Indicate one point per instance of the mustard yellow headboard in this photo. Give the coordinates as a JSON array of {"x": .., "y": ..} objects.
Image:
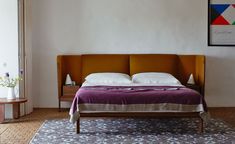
[
  {"x": 104, "y": 63},
  {"x": 154, "y": 63},
  {"x": 181, "y": 66}
]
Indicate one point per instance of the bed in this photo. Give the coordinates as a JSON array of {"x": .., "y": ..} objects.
[{"x": 98, "y": 99}]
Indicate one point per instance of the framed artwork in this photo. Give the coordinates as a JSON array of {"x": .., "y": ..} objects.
[{"x": 221, "y": 22}]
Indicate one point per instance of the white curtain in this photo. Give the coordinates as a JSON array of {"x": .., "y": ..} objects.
[{"x": 25, "y": 35}]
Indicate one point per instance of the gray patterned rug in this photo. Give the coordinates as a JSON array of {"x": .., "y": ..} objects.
[{"x": 111, "y": 131}]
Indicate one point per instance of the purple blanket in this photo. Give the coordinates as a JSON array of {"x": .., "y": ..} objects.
[{"x": 136, "y": 95}]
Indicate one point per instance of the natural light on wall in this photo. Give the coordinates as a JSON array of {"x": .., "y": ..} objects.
[{"x": 8, "y": 43}]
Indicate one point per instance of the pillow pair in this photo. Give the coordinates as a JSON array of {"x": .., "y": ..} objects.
[{"x": 140, "y": 78}]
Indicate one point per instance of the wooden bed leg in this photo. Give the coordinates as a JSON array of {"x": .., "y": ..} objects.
[
  {"x": 78, "y": 126},
  {"x": 59, "y": 106},
  {"x": 201, "y": 125}
]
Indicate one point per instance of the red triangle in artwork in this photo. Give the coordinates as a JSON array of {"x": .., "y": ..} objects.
[
  {"x": 220, "y": 21},
  {"x": 233, "y": 5}
]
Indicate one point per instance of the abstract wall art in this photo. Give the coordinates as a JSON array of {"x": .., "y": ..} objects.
[{"x": 221, "y": 22}]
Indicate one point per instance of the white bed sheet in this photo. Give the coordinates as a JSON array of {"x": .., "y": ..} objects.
[{"x": 86, "y": 83}]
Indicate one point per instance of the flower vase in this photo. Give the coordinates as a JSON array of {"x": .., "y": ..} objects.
[{"x": 11, "y": 93}]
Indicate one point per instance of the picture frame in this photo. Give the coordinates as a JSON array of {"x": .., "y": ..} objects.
[{"x": 221, "y": 23}]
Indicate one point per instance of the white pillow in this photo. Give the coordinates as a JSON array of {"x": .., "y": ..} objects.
[
  {"x": 154, "y": 78},
  {"x": 108, "y": 78}
]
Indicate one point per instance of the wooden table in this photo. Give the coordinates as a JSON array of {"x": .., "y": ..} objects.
[{"x": 16, "y": 107}]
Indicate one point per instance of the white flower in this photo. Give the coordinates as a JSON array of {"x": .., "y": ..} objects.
[{"x": 6, "y": 81}]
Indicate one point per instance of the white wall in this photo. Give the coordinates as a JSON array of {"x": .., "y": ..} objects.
[
  {"x": 125, "y": 26},
  {"x": 8, "y": 43}
]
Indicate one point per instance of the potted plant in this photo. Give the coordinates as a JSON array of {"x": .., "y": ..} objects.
[{"x": 10, "y": 83}]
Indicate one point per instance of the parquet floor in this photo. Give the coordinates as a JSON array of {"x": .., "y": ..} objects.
[{"x": 21, "y": 131}]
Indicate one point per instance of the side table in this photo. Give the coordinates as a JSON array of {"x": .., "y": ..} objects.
[
  {"x": 68, "y": 94},
  {"x": 16, "y": 107}
]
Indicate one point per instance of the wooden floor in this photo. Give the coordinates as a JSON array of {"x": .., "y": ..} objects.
[{"x": 21, "y": 131}]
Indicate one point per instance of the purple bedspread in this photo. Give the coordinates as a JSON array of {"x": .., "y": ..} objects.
[{"x": 126, "y": 95}]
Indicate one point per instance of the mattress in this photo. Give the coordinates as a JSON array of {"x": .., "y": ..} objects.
[{"x": 95, "y": 98}]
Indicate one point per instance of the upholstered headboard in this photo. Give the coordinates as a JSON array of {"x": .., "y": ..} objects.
[
  {"x": 154, "y": 63},
  {"x": 181, "y": 66},
  {"x": 104, "y": 63}
]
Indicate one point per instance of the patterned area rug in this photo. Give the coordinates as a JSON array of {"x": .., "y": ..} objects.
[{"x": 128, "y": 131}]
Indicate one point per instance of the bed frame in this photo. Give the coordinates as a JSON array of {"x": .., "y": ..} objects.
[{"x": 180, "y": 66}]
